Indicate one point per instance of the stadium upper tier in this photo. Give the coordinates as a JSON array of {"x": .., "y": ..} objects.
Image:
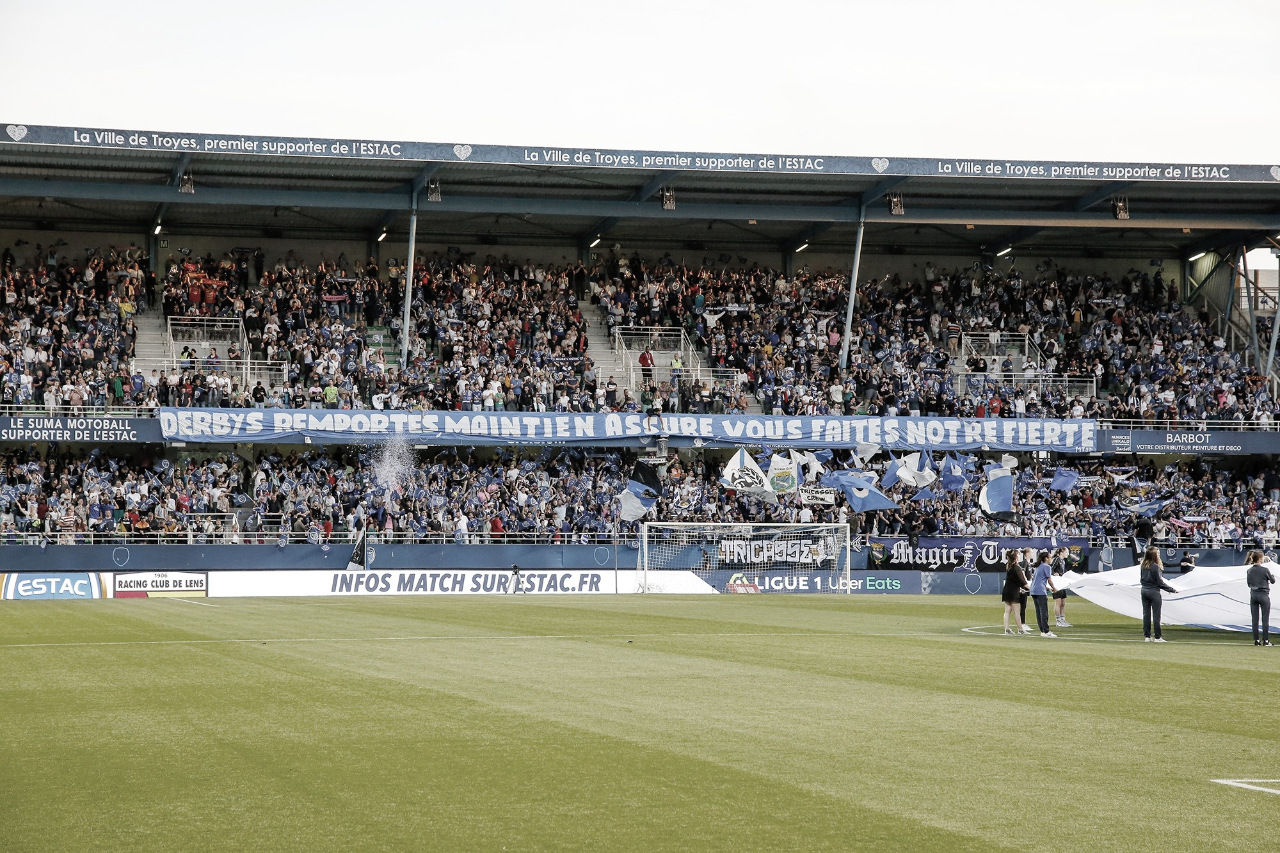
[{"x": 501, "y": 335}]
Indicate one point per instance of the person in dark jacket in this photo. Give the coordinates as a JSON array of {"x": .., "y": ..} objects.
[
  {"x": 1152, "y": 578},
  {"x": 1259, "y": 578}
]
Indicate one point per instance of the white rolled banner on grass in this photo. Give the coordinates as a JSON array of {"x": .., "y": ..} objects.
[{"x": 1207, "y": 596}]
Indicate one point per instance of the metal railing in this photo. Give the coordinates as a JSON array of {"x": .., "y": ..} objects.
[
  {"x": 201, "y": 334},
  {"x": 998, "y": 345}
]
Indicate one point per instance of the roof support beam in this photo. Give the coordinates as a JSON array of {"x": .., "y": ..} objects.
[
  {"x": 543, "y": 206},
  {"x": 414, "y": 187},
  {"x": 877, "y": 192},
  {"x": 645, "y": 193},
  {"x": 181, "y": 166},
  {"x": 1083, "y": 203}
]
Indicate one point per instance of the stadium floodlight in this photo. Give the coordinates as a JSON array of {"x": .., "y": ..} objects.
[
  {"x": 433, "y": 190},
  {"x": 595, "y": 242},
  {"x": 1006, "y": 250},
  {"x": 1120, "y": 207},
  {"x": 157, "y": 229},
  {"x": 896, "y": 207},
  {"x": 801, "y": 248},
  {"x": 1196, "y": 257},
  {"x": 668, "y": 198},
  {"x": 186, "y": 185},
  {"x": 383, "y": 235}
]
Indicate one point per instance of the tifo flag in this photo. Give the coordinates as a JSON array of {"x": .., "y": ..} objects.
[
  {"x": 917, "y": 470},
  {"x": 925, "y": 494},
  {"x": 810, "y": 464},
  {"x": 642, "y": 491},
  {"x": 953, "y": 479},
  {"x": 1146, "y": 508},
  {"x": 890, "y": 478},
  {"x": 783, "y": 474},
  {"x": 858, "y": 490},
  {"x": 1064, "y": 480},
  {"x": 865, "y": 450},
  {"x": 356, "y": 563},
  {"x": 742, "y": 474},
  {"x": 996, "y": 497}
]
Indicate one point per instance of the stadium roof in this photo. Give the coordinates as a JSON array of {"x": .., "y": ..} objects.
[{"x": 84, "y": 179}]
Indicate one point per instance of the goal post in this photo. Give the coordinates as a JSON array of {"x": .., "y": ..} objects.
[{"x": 748, "y": 557}]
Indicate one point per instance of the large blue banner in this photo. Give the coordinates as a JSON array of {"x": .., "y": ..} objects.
[
  {"x": 322, "y": 426},
  {"x": 694, "y": 161}
]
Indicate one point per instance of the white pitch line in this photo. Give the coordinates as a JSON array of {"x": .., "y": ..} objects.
[
  {"x": 443, "y": 637},
  {"x": 191, "y": 601},
  {"x": 1240, "y": 783},
  {"x": 981, "y": 631}
]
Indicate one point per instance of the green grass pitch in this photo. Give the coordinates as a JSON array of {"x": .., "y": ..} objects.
[{"x": 637, "y": 723}]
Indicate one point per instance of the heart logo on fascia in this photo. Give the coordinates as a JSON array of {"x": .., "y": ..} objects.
[
  {"x": 16, "y": 132},
  {"x": 879, "y": 164},
  {"x": 1275, "y": 172},
  {"x": 463, "y": 151}
]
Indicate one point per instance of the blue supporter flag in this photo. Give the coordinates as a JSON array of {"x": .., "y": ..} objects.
[
  {"x": 641, "y": 492},
  {"x": 1064, "y": 480},
  {"x": 953, "y": 478},
  {"x": 890, "y": 478},
  {"x": 858, "y": 490},
  {"x": 1146, "y": 508},
  {"x": 925, "y": 494},
  {"x": 996, "y": 498}
]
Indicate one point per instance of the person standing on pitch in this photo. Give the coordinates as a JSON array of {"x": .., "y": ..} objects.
[
  {"x": 1025, "y": 556},
  {"x": 1041, "y": 586},
  {"x": 515, "y": 579},
  {"x": 1059, "y": 566},
  {"x": 1151, "y": 575},
  {"x": 1015, "y": 586},
  {"x": 1259, "y": 579}
]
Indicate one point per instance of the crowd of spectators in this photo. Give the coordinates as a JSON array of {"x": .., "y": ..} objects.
[
  {"x": 503, "y": 335},
  {"x": 1150, "y": 358},
  {"x": 570, "y": 495},
  {"x": 67, "y": 332}
]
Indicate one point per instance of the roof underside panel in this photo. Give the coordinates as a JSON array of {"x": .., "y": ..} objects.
[{"x": 59, "y": 188}]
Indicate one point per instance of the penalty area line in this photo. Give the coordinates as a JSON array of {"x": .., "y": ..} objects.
[
  {"x": 191, "y": 601},
  {"x": 1243, "y": 783}
]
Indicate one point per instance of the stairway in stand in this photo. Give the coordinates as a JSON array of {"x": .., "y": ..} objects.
[
  {"x": 151, "y": 348},
  {"x": 600, "y": 351}
]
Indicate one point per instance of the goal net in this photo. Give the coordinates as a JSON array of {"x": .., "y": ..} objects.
[{"x": 738, "y": 558}]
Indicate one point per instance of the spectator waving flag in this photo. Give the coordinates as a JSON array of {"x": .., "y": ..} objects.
[
  {"x": 916, "y": 469},
  {"x": 859, "y": 490},
  {"x": 1064, "y": 480},
  {"x": 641, "y": 493},
  {"x": 1145, "y": 508},
  {"x": 891, "y": 473},
  {"x": 783, "y": 474},
  {"x": 953, "y": 479},
  {"x": 356, "y": 563},
  {"x": 996, "y": 497},
  {"x": 742, "y": 474}
]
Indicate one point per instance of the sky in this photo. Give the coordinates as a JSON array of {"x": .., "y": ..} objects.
[
  {"x": 1118, "y": 80},
  {"x": 1172, "y": 81}
]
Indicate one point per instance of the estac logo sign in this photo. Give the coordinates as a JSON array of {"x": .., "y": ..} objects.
[{"x": 52, "y": 585}]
